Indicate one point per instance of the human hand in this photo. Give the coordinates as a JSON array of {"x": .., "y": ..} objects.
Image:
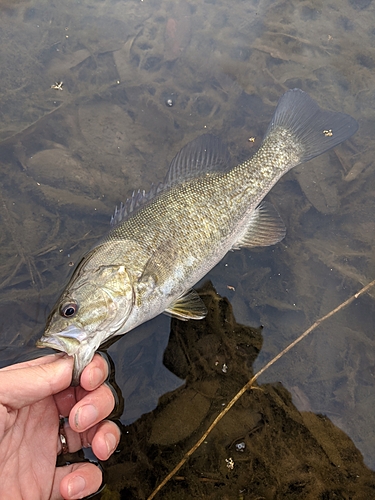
[{"x": 33, "y": 396}]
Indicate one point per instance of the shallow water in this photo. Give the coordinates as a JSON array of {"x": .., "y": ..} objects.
[{"x": 69, "y": 156}]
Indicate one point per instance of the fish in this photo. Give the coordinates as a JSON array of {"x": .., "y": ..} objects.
[{"x": 162, "y": 242}]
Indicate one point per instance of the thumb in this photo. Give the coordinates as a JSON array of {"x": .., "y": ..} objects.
[{"x": 31, "y": 382}]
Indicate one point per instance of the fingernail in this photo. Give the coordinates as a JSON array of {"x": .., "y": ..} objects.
[
  {"x": 76, "y": 485},
  {"x": 111, "y": 443},
  {"x": 96, "y": 377},
  {"x": 86, "y": 416}
]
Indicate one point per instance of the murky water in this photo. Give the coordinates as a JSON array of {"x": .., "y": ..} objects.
[{"x": 96, "y": 97}]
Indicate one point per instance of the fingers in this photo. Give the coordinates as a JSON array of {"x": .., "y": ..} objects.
[
  {"x": 23, "y": 385},
  {"x": 95, "y": 403},
  {"x": 94, "y": 374},
  {"x": 92, "y": 377},
  {"x": 65, "y": 400},
  {"x": 73, "y": 440},
  {"x": 104, "y": 439},
  {"x": 91, "y": 409},
  {"x": 76, "y": 481}
]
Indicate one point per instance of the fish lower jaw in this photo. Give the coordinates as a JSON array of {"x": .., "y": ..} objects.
[{"x": 69, "y": 346}]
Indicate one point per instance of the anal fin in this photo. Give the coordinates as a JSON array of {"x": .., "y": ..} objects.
[{"x": 265, "y": 228}]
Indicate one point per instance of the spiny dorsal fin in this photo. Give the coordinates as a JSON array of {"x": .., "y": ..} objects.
[
  {"x": 265, "y": 228},
  {"x": 188, "y": 306},
  {"x": 136, "y": 201},
  {"x": 204, "y": 154}
]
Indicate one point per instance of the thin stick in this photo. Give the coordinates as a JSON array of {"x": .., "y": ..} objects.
[{"x": 250, "y": 383}]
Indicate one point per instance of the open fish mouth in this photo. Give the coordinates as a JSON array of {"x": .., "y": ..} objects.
[
  {"x": 68, "y": 340},
  {"x": 72, "y": 341}
]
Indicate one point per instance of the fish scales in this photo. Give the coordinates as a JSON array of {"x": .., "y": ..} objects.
[
  {"x": 165, "y": 241},
  {"x": 207, "y": 211}
]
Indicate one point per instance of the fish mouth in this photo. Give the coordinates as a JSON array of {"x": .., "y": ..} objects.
[
  {"x": 72, "y": 341},
  {"x": 68, "y": 340}
]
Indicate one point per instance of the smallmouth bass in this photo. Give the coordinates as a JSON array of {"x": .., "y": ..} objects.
[{"x": 163, "y": 242}]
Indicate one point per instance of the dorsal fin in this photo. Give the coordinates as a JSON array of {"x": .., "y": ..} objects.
[
  {"x": 204, "y": 154},
  {"x": 136, "y": 201}
]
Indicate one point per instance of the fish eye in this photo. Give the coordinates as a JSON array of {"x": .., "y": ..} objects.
[{"x": 69, "y": 310}]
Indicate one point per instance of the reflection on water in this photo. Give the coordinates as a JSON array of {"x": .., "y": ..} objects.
[
  {"x": 69, "y": 156},
  {"x": 139, "y": 372},
  {"x": 262, "y": 448}
]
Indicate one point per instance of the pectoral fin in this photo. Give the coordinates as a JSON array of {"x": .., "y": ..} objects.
[
  {"x": 265, "y": 228},
  {"x": 188, "y": 306}
]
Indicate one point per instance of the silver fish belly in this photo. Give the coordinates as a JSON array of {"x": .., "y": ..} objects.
[{"x": 163, "y": 242}]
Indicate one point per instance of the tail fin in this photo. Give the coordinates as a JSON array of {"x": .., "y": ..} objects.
[{"x": 315, "y": 129}]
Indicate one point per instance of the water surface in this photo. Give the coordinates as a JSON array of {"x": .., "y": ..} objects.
[{"x": 96, "y": 99}]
